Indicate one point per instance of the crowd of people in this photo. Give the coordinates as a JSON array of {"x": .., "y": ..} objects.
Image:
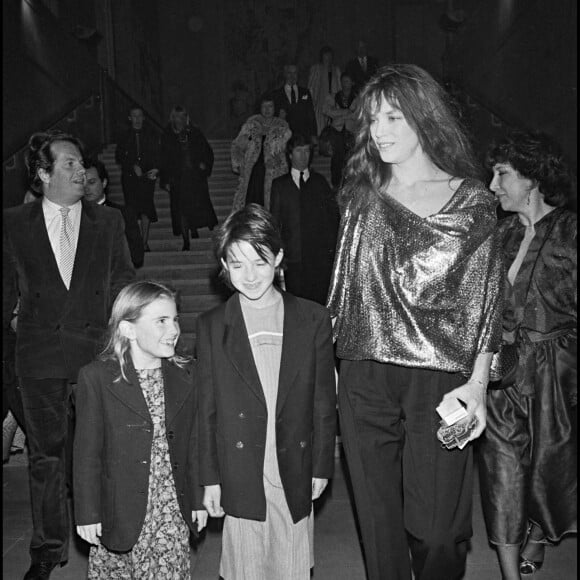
[{"x": 397, "y": 277}]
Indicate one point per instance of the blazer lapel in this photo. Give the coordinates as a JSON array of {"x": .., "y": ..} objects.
[
  {"x": 237, "y": 347},
  {"x": 42, "y": 247},
  {"x": 88, "y": 234},
  {"x": 295, "y": 347},
  {"x": 129, "y": 392},
  {"x": 178, "y": 387}
]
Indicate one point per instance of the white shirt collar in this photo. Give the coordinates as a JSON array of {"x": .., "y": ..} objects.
[
  {"x": 295, "y": 173},
  {"x": 51, "y": 209}
]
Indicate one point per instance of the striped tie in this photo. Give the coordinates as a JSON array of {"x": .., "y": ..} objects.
[{"x": 67, "y": 252}]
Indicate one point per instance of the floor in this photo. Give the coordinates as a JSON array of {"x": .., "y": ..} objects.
[{"x": 337, "y": 550}]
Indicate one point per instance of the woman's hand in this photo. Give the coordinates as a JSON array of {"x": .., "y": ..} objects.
[
  {"x": 472, "y": 393},
  {"x": 199, "y": 516},
  {"x": 90, "y": 533},
  {"x": 212, "y": 501},
  {"x": 318, "y": 486}
]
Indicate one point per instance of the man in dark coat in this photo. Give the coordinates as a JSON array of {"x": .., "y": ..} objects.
[
  {"x": 97, "y": 179},
  {"x": 294, "y": 104},
  {"x": 67, "y": 259},
  {"x": 362, "y": 67},
  {"x": 138, "y": 155},
  {"x": 305, "y": 207}
]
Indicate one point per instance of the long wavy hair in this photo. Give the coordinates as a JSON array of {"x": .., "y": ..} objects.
[
  {"x": 129, "y": 305},
  {"x": 428, "y": 111}
]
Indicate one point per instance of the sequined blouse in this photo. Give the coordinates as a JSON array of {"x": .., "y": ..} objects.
[{"x": 419, "y": 292}]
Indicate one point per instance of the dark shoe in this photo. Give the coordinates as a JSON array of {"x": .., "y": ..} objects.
[
  {"x": 532, "y": 566},
  {"x": 529, "y": 566},
  {"x": 186, "y": 246},
  {"x": 40, "y": 571},
  {"x": 147, "y": 248}
]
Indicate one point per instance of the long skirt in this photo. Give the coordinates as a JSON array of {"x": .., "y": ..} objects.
[
  {"x": 528, "y": 452},
  {"x": 276, "y": 549}
]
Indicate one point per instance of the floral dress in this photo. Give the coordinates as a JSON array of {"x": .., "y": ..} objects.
[{"x": 162, "y": 549}]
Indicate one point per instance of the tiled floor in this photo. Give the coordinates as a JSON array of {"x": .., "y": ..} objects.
[{"x": 337, "y": 550}]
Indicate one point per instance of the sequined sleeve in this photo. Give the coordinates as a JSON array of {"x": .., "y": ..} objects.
[{"x": 419, "y": 292}]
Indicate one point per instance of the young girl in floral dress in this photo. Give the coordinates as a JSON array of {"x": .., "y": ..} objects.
[{"x": 136, "y": 490}]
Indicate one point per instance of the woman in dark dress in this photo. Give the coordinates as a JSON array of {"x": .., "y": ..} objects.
[
  {"x": 528, "y": 451},
  {"x": 187, "y": 162}
]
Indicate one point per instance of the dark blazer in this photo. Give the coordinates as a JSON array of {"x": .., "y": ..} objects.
[
  {"x": 112, "y": 449},
  {"x": 233, "y": 414},
  {"x": 126, "y": 154},
  {"x": 309, "y": 222},
  {"x": 357, "y": 74},
  {"x": 60, "y": 330},
  {"x": 300, "y": 115},
  {"x": 132, "y": 232}
]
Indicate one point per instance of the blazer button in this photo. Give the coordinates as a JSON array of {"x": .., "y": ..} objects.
[
  {"x": 175, "y": 465},
  {"x": 170, "y": 435},
  {"x": 302, "y": 444},
  {"x": 242, "y": 416},
  {"x": 239, "y": 445}
]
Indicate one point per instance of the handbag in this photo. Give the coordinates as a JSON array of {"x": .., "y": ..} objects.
[
  {"x": 502, "y": 372},
  {"x": 326, "y": 141}
]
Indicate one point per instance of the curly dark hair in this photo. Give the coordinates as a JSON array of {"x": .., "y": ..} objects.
[
  {"x": 427, "y": 109},
  {"x": 536, "y": 156}
]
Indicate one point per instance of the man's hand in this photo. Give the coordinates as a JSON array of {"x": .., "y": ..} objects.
[
  {"x": 137, "y": 171},
  {"x": 199, "y": 516},
  {"x": 212, "y": 501},
  {"x": 152, "y": 174},
  {"x": 90, "y": 533},
  {"x": 318, "y": 486}
]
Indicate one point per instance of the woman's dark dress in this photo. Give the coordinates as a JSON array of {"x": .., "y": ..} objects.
[
  {"x": 180, "y": 168},
  {"x": 528, "y": 451}
]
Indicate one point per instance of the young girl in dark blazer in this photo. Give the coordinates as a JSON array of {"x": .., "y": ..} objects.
[
  {"x": 267, "y": 407},
  {"x": 136, "y": 488}
]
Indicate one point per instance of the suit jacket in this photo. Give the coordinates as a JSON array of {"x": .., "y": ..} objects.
[
  {"x": 309, "y": 222},
  {"x": 357, "y": 74},
  {"x": 60, "y": 330},
  {"x": 233, "y": 413},
  {"x": 112, "y": 448},
  {"x": 132, "y": 232},
  {"x": 300, "y": 115},
  {"x": 126, "y": 154}
]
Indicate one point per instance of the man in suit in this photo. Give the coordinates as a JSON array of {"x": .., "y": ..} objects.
[
  {"x": 362, "y": 67},
  {"x": 304, "y": 205},
  {"x": 97, "y": 179},
  {"x": 294, "y": 104},
  {"x": 67, "y": 259},
  {"x": 138, "y": 155}
]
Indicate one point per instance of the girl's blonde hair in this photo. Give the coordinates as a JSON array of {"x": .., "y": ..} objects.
[{"x": 129, "y": 306}]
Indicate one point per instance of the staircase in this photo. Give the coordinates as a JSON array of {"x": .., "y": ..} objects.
[{"x": 192, "y": 273}]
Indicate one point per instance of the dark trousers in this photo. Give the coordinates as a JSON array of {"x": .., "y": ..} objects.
[
  {"x": 46, "y": 412},
  {"x": 410, "y": 493}
]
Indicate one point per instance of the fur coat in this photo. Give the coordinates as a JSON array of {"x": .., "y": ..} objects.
[{"x": 246, "y": 150}]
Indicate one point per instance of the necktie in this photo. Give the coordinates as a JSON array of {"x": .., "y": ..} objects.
[
  {"x": 138, "y": 145},
  {"x": 292, "y": 96},
  {"x": 301, "y": 182},
  {"x": 67, "y": 253}
]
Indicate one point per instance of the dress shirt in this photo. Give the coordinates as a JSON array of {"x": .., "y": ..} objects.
[
  {"x": 288, "y": 89},
  {"x": 296, "y": 176},
  {"x": 53, "y": 221}
]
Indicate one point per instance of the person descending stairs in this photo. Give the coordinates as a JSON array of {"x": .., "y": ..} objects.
[{"x": 193, "y": 273}]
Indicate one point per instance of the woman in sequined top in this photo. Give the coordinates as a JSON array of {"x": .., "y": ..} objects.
[
  {"x": 528, "y": 456},
  {"x": 416, "y": 299}
]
